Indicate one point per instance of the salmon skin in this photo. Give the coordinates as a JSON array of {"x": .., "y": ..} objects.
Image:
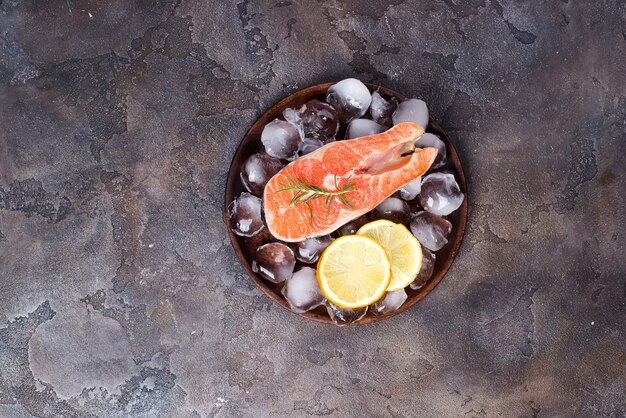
[{"x": 323, "y": 190}]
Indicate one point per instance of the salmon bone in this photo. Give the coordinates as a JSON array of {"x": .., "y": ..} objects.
[{"x": 390, "y": 160}]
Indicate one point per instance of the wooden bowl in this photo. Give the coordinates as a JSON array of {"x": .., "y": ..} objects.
[{"x": 244, "y": 247}]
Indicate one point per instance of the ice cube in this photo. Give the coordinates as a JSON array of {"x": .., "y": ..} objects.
[
  {"x": 431, "y": 231},
  {"x": 393, "y": 209},
  {"x": 431, "y": 140},
  {"x": 428, "y": 265},
  {"x": 281, "y": 139},
  {"x": 245, "y": 215},
  {"x": 309, "y": 250},
  {"x": 350, "y": 97},
  {"x": 381, "y": 109},
  {"x": 411, "y": 110},
  {"x": 440, "y": 194},
  {"x": 302, "y": 290},
  {"x": 351, "y": 227},
  {"x": 363, "y": 127},
  {"x": 314, "y": 120},
  {"x": 342, "y": 316},
  {"x": 391, "y": 302},
  {"x": 411, "y": 190},
  {"x": 274, "y": 262},
  {"x": 257, "y": 170}
]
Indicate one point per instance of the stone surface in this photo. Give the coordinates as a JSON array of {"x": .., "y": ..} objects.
[{"x": 121, "y": 296}]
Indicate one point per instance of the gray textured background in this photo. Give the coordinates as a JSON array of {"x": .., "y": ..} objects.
[{"x": 121, "y": 296}]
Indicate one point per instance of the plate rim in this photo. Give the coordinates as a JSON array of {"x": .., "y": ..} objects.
[{"x": 233, "y": 174}]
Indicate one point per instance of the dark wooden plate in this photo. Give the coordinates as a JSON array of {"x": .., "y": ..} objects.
[{"x": 244, "y": 247}]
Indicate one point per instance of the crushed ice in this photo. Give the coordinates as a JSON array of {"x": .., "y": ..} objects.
[
  {"x": 440, "y": 194},
  {"x": 431, "y": 231},
  {"x": 350, "y": 97},
  {"x": 411, "y": 110},
  {"x": 302, "y": 290},
  {"x": 274, "y": 262},
  {"x": 246, "y": 217}
]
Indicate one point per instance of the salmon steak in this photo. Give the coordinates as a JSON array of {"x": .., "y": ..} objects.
[{"x": 321, "y": 191}]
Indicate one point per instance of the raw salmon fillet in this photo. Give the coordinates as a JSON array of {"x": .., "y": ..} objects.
[{"x": 367, "y": 169}]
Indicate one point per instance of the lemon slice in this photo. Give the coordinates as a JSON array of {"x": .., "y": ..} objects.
[
  {"x": 353, "y": 272},
  {"x": 403, "y": 250}
]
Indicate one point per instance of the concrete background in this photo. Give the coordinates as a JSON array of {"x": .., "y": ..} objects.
[{"x": 121, "y": 296}]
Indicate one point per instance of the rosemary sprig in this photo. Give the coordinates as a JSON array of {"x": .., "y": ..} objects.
[{"x": 305, "y": 192}]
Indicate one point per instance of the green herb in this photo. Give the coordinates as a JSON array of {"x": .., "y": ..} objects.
[{"x": 305, "y": 192}]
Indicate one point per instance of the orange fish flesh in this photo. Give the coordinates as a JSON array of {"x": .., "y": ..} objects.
[{"x": 321, "y": 191}]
